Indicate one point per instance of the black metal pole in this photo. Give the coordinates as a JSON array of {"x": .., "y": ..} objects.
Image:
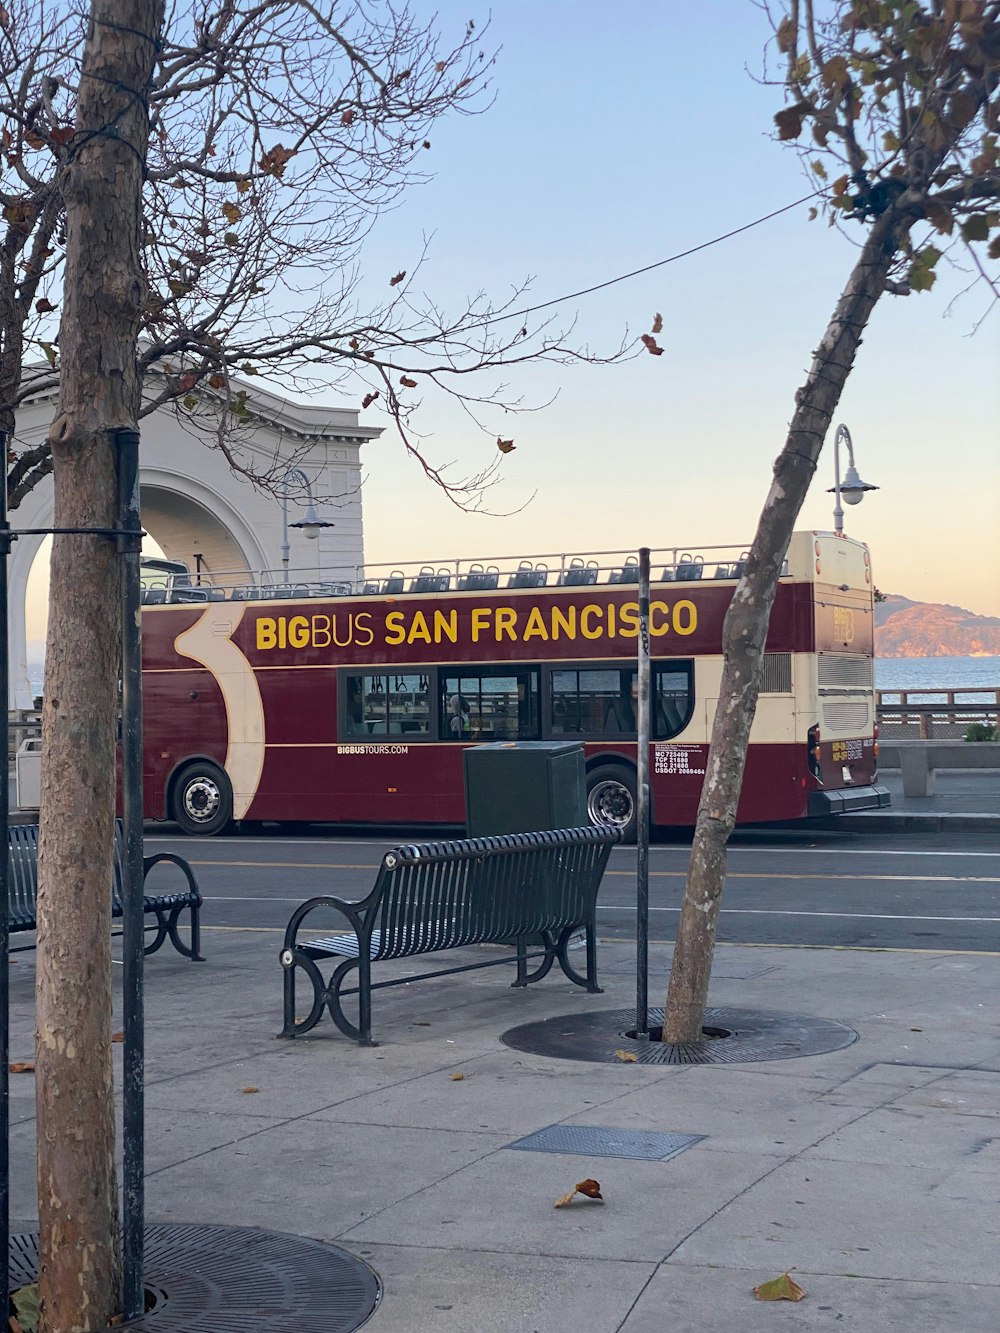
[
  {"x": 4, "y": 898},
  {"x": 133, "y": 1092},
  {"x": 642, "y": 796}
]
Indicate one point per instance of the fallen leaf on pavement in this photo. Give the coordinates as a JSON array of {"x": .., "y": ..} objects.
[
  {"x": 118, "y": 1036},
  {"x": 590, "y": 1189},
  {"x": 22, "y": 1067},
  {"x": 783, "y": 1288},
  {"x": 251, "y": 1089},
  {"x": 457, "y": 1078},
  {"x": 627, "y": 1057}
]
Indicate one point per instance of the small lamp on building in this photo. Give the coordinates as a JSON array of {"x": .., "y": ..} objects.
[
  {"x": 852, "y": 489},
  {"x": 309, "y": 525}
]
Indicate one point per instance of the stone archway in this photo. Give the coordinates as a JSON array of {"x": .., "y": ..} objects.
[{"x": 194, "y": 504}]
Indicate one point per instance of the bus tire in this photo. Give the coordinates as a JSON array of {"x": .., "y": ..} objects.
[
  {"x": 611, "y": 798},
  {"x": 201, "y": 799}
]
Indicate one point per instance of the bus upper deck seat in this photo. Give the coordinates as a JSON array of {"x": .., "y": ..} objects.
[{"x": 579, "y": 574}]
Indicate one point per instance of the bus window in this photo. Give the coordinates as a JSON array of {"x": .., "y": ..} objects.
[
  {"x": 673, "y": 698},
  {"x": 387, "y": 705},
  {"x": 594, "y": 702},
  {"x": 477, "y": 706}
]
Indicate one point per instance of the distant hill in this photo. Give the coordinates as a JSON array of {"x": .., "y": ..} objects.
[{"x": 904, "y": 628}]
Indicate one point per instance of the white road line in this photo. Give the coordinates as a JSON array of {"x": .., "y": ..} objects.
[
  {"x": 847, "y": 916},
  {"x": 654, "y": 850}
]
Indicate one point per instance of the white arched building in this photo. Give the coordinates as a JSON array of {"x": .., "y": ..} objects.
[{"x": 199, "y": 510}]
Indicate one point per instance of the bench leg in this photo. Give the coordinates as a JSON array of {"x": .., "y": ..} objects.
[
  {"x": 589, "y": 982},
  {"x": 362, "y": 1034},
  {"x": 290, "y": 960},
  {"x": 522, "y": 962},
  {"x": 194, "y": 953}
]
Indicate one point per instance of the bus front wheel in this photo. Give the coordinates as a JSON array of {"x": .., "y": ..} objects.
[
  {"x": 202, "y": 800},
  {"x": 611, "y": 798}
]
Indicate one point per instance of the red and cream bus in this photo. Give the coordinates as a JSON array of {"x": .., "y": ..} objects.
[{"x": 353, "y": 702}]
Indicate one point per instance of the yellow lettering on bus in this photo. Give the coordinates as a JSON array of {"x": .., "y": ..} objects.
[
  {"x": 282, "y": 636},
  {"x": 343, "y": 643},
  {"x": 321, "y": 631},
  {"x": 480, "y": 621},
  {"x": 504, "y": 623},
  {"x": 628, "y": 620},
  {"x": 360, "y": 629},
  {"x": 659, "y": 608},
  {"x": 419, "y": 629},
  {"x": 298, "y": 632},
  {"x": 535, "y": 628},
  {"x": 586, "y": 615},
  {"x": 564, "y": 621},
  {"x": 685, "y": 617},
  {"x": 395, "y": 627},
  {"x": 445, "y": 626},
  {"x": 266, "y": 632}
]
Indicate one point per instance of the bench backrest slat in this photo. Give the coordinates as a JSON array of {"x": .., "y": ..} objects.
[
  {"x": 22, "y": 874},
  {"x": 446, "y": 895}
]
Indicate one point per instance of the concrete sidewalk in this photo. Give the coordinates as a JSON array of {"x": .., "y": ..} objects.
[
  {"x": 872, "y": 1170},
  {"x": 965, "y": 798}
]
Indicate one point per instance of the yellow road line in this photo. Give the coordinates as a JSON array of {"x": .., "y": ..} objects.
[
  {"x": 904, "y": 879},
  {"x": 630, "y": 874}
]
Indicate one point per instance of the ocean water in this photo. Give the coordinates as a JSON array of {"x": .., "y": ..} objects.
[{"x": 937, "y": 673}]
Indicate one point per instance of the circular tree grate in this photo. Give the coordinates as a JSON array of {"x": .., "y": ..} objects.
[
  {"x": 755, "y": 1034},
  {"x": 233, "y": 1279}
]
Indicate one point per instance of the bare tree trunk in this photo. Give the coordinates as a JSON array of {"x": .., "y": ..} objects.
[
  {"x": 80, "y": 1275},
  {"x": 745, "y": 628}
]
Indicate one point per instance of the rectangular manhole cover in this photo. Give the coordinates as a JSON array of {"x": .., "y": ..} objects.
[{"x": 596, "y": 1141}]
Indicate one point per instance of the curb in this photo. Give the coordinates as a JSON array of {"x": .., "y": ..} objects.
[{"x": 905, "y": 821}]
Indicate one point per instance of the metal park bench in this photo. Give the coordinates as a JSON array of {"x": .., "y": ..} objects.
[
  {"x": 22, "y": 892},
  {"x": 445, "y": 895}
]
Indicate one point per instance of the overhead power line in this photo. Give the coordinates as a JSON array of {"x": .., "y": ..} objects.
[{"x": 648, "y": 268}]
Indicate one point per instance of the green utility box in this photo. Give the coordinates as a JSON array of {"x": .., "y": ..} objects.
[{"x": 523, "y": 787}]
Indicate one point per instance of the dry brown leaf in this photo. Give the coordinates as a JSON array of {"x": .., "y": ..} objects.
[
  {"x": 118, "y": 1036},
  {"x": 22, "y": 1067},
  {"x": 657, "y": 323},
  {"x": 407, "y": 383},
  {"x": 369, "y": 398},
  {"x": 506, "y": 446},
  {"x": 651, "y": 345},
  {"x": 590, "y": 1189},
  {"x": 394, "y": 282},
  {"x": 251, "y": 1088},
  {"x": 627, "y": 1057},
  {"x": 457, "y": 1078},
  {"x": 783, "y": 1288}
]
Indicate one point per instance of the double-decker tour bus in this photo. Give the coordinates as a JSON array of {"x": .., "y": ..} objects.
[{"x": 353, "y": 702}]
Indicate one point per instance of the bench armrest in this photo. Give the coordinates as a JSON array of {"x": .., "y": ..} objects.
[
  {"x": 149, "y": 861},
  {"x": 353, "y": 910}
]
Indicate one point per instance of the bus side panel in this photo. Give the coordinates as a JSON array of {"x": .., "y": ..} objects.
[
  {"x": 383, "y": 781},
  {"x": 774, "y": 783},
  {"x": 183, "y": 714}
]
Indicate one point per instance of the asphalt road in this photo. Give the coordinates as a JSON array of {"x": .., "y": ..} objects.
[{"x": 862, "y": 890}]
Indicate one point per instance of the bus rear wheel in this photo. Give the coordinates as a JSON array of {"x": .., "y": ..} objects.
[
  {"x": 611, "y": 798},
  {"x": 202, "y": 800}
]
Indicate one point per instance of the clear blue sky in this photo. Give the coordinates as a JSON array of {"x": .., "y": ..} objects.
[{"x": 617, "y": 138}]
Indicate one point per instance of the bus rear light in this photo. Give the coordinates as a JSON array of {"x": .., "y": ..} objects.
[
  {"x": 875, "y": 740},
  {"x": 814, "y": 751}
]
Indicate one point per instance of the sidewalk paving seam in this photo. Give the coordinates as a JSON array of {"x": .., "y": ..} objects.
[
  {"x": 625, "y": 1092},
  {"x": 779, "y": 1165}
]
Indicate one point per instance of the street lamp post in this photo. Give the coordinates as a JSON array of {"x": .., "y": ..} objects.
[
  {"x": 852, "y": 489},
  {"x": 309, "y": 525}
]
